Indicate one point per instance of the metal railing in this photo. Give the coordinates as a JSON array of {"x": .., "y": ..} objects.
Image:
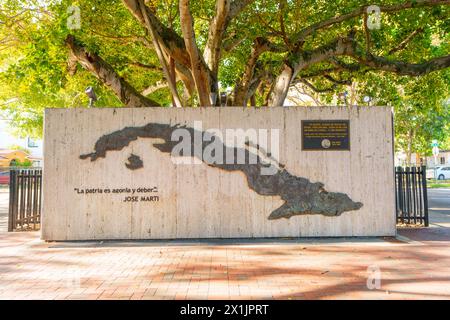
[
  {"x": 411, "y": 195},
  {"x": 25, "y": 199}
]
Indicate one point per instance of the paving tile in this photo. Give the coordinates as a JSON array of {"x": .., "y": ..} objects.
[{"x": 33, "y": 269}]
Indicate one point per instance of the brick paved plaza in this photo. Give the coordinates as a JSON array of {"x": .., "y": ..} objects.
[
  {"x": 415, "y": 265},
  {"x": 32, "y": 269}
]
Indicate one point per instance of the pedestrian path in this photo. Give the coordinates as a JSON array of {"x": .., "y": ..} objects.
[
  {"x": 307, "y": 269},
  {"x": 415, "y": 265}
]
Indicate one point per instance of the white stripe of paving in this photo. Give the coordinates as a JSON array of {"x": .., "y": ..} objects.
[{"x": 408, "y": 240}]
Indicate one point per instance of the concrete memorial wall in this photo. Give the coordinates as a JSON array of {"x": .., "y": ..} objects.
[{"x": 161, "y": 173}]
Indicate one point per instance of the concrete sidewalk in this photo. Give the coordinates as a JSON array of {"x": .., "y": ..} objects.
[{"x": 326, "y": 269}]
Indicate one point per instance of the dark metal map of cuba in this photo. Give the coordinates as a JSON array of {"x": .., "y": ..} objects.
[{"x": 300, "y": 196}]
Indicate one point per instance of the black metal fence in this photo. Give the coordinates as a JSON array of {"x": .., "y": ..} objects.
[
  {"x": 25, "y": 199},
  {"x": 411, "y": 195}
]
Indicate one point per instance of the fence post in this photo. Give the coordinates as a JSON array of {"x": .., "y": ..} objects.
[
  {"x": 420, "y": 192},
  {"x": 400, "y": 211},
  {"x": 11, "y": 200},
  {"x": 414, "y": 192},
  {"x": 425, "y": 195},
  {"x": 396, "y": 194},
  {"x": 35, "y": 195}
]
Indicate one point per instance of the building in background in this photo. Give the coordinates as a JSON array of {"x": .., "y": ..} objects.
[
  {"x": 12, "y": 158},
  {"x": 418, "y": 160},
  {"x": 7, "y": 140},
  {"x": 442, "y": 159}
]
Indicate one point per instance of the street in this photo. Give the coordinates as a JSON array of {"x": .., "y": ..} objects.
[
  {"x": 439, "y": 211},
  {"x": 439, "y": 201}
]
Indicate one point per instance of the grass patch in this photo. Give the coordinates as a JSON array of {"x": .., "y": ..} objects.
[{"x": 438, "y": 184}]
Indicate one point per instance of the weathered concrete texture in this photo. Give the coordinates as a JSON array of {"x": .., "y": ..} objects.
[
  {"x": 134, "y": 162},
  {"x": 320, "y": 192},
  {"x": 300, "y": 195}
]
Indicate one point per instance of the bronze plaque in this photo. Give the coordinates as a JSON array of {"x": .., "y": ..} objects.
[{"x": 325, "y": 135}]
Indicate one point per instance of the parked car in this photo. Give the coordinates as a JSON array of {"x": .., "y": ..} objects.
[
  {"x": 430, "y": 172},
  {"x": 442, "y": 173},
  {"x": 4, "y": 177}
]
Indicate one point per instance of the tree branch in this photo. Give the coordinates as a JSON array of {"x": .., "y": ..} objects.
[
  {"x": 226, "y": 11},
  {"x": 349, "y": 47},
  {"x": 346, "y": 66},
  {"x": 167, "y": 37},
  {"x": 215, "y": 37},
  {"x": 199, "y": 69},
  {"x": 336, "y": 81},
  {"x": 255, "y": 83},
  {"x": 231, "y": 43},
  {"x": 301, "y": 35},
  {"x": 236, "y": 7},
  {"x": 281, "y": 9},
  {"x": 298, "y": 61},
  {"x": 304, "y": 59},
  {"x": 151, "y": 89},
  {"x": 260, "y": 45},
  {"x": 404, "y": 68},
  {"x": 299, "y": 101},
  {"x": 169, "y": 75},
  {"x": 151, "y": 67},
  {"x": 321, "y": 72},
  {"x": 106, "y": 74},
  {"x": 405, "y": 42},
  {"x": 367, "y": 33},
  {"x": 314, "y": 88}
]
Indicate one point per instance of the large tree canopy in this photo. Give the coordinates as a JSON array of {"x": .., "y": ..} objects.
[{"x": 140, "y": 53}]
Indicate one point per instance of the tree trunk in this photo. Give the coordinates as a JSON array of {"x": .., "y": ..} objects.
[
  {"x": 281, "y": 87},
  {"x": 173, "y": 79},
  {"x": 241, "y": 91},
  {"x": 252, "y": 101},
  {"x": 167, "y": 37},
  {"x": 106, "y": 74},
  {"x": 168, "y": 73},
  {"x": 216, "y": 30},
  {"x": 199, "y": 70}
]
